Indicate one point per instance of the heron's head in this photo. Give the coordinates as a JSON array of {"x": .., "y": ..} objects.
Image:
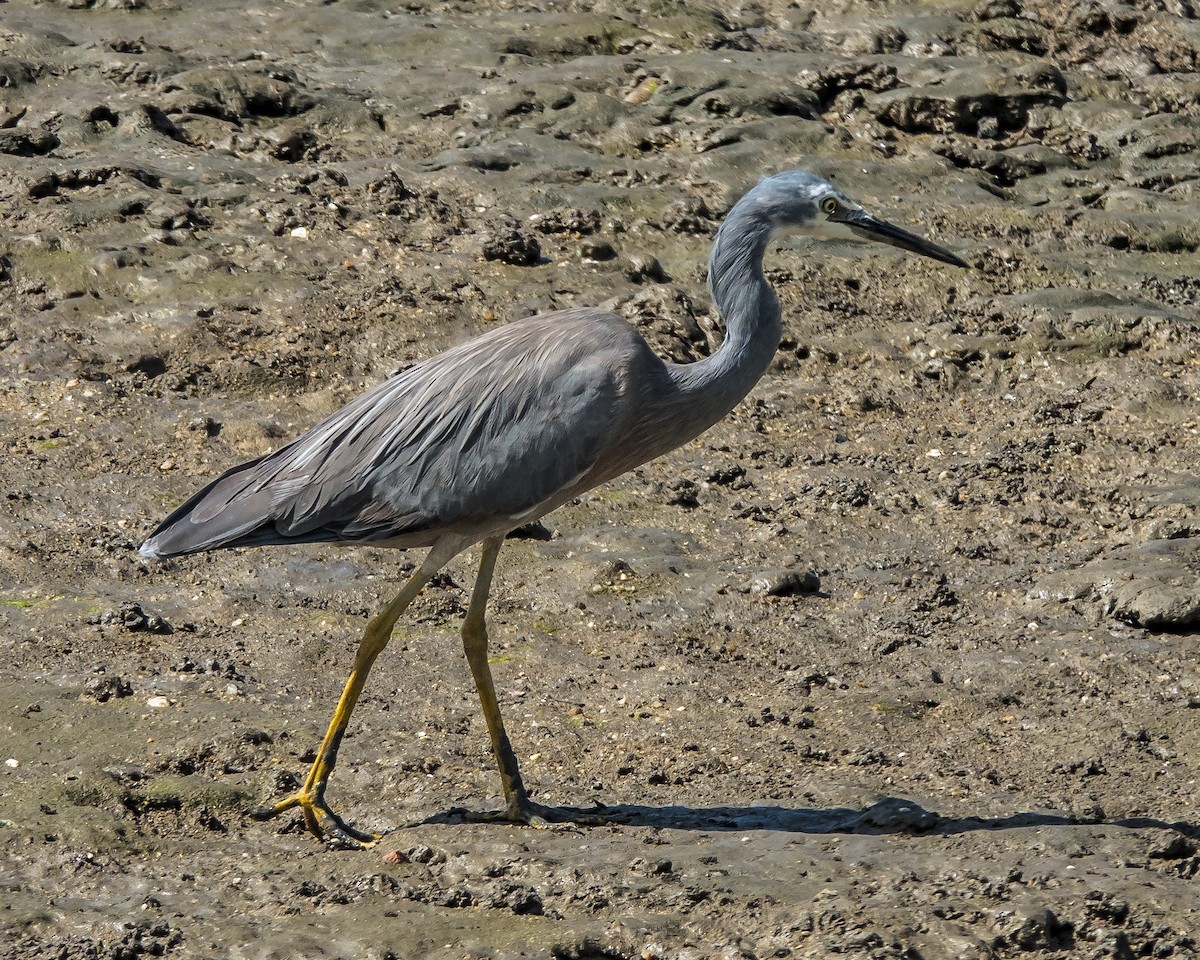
[{"x": 801, "y": 200}]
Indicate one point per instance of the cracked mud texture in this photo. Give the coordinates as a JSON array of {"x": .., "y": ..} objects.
[{"x": 897, "y": 661}]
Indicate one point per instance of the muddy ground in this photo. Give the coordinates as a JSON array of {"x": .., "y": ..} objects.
[{"x": 897, "y": 661}]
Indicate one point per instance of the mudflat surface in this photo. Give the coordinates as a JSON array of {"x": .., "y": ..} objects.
[{"x": 980, "y": 737}]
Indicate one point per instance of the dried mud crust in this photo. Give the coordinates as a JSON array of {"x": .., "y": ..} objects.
[{"x": 898, "y": 661}]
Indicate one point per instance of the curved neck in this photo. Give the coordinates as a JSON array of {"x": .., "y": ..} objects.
[{"x": 750, "y": 311}]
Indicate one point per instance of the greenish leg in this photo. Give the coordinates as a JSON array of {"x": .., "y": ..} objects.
[
  {"x": 475, "y": 644},
  {"x": 518, "y": 808}
]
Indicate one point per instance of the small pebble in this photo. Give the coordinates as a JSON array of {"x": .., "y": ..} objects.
[
  {"x": 597, "y": 250},
  {"x": 157, "y": 703},
  {"x": 644, "y": 91},
  {"x": 787, "y": 583},
  {"x": 643, "y": 267}
]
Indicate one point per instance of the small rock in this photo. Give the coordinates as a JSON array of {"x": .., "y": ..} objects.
[
  {"x": 1085, "y": 767},
  {"x": 27, "y": 142},
  {"x": 988, "y": 128},
  {"x": 1153, "y": 585},
  {"x": 210, "y": 821},
  {"x": 127, "y": 773},
  {"x": 509, "y": 244},
  {"x": 210, "y": 426},
  {"x": 11, "y": 115},
  {"x": 1037, "y": 928},
  {"x": 421, "y": 853},
  {"x": 536, "y": 530},
  {"x": 643, "y": 267},
  {"x": 786, "y": 583},
  {"x": 103, "y": 689},
  {"x": 1172, "y": 848},
  {"x": 688, "y": 215},
  {"x": 149, "y": 365},
  {"x": 568, "y": 220},
  {"x": 732, "y": 476},
  {"x": 615, "y": 571},
  {"x": 521, "y": 900},
  {"x": 683, "y": 493},
  {"x": 893, "y": 813},
  {"x": 644, "y": 91},
  {"x": 597, "y": 250},
  {"x": 132, "y": 618},
  {"x": 109, "y": 262}
]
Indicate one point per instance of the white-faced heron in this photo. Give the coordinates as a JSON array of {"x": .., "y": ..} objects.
[{"x": 468, "y": 445}]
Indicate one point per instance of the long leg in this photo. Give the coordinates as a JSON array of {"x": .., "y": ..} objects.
[
  {"x": 517, "y": 805},
  {"x": 310, "y": 798},
  {"x": 475, "y": 643},
  {"x": 518, "y": 808}
]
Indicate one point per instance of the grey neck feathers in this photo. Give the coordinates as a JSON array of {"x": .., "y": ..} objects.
[{"x": 750, "y": 310}]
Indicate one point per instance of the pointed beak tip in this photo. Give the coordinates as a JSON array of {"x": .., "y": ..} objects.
[{"x": 882, "y": 231}]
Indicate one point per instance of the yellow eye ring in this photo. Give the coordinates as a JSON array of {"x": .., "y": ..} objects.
[{"x": 829, "y": 205}]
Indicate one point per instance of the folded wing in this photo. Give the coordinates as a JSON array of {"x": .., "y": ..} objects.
[{"x": 490, "y": 429}]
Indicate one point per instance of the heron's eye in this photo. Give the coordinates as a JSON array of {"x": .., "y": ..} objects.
[{"x": 829, "y": 205}]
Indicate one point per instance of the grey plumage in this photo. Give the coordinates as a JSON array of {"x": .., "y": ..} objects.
[
  {"x": 470, "y": 444},
  {"x": 445, "y": 445}
]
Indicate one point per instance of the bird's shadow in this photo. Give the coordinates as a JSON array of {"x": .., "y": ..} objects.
[{"x": 891, "y": 815}]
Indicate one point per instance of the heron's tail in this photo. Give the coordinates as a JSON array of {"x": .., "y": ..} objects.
[{"x": 229, "y": 512}]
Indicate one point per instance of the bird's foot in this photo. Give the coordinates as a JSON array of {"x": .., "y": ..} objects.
[
  {"x": 319, "y": 818},
  {"x": 529, "y": 813}
]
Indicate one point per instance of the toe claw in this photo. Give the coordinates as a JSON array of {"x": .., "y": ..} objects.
[
  {"x": 319, "y": 819},
  {"x": 345, "y": 835},
  {"x": 267, "y": 811}
]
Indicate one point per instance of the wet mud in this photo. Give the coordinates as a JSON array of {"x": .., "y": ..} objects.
[{"x": 896, "y": 661}]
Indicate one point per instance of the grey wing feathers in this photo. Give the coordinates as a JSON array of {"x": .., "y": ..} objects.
[{"x": 489, "y": 429}]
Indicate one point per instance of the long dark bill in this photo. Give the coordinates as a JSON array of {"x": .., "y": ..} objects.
[{"x": 872, "y": 228}]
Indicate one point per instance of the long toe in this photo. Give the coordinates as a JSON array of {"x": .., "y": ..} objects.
[
  {"x": 319, "y": 819},
  {"x": 340, "y": 833}
]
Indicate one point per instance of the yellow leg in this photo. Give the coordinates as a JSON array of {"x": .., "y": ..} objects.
[{"x": 310, "y": 798}]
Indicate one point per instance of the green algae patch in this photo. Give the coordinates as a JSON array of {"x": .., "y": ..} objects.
[
  {"x": 165, "y": 792},
  {"x": 900, "y": 708}
]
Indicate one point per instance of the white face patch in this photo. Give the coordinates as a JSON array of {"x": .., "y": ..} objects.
[{"x": 824, "y": 228}]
